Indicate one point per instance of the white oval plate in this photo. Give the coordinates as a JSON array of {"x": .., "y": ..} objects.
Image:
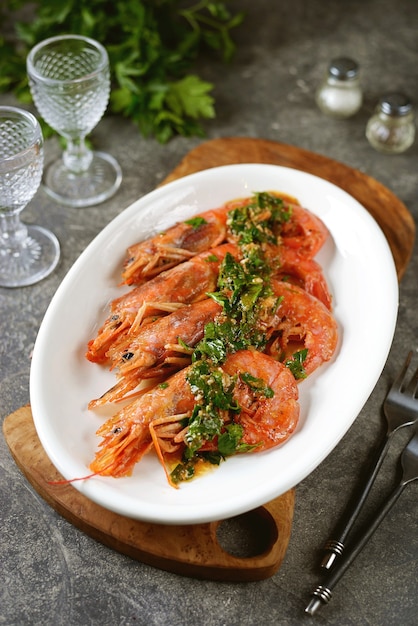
[{"x": 359, "y": 267}]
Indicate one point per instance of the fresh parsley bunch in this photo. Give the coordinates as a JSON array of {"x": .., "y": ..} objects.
[{"x": 152, "y": 45}]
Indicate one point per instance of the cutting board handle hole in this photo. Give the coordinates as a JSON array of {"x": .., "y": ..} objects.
[{"x": 248, "y": 535}]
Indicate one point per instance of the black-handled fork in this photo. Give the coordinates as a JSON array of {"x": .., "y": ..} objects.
[
  {"x": 401, "y": 409},
  {"x": 323, "y": 592}
]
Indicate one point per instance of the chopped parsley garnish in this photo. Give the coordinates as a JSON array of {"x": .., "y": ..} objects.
[
  {"x": 257, "y": 385},
  {"x": 260, "y": 220},
  {"x": 246, "y": 298},
  {"x": 247, "y": 303},
  {"x": 211, "y": 258},
  {"x": 183, "y": 471},
  {"x": 196, "y": 221},
  {"x": 214, "y": 393},
  {"x": 295, "y": 364},
  {"x": 229, "y": 441},
  {"x": 212, "y": 385}
]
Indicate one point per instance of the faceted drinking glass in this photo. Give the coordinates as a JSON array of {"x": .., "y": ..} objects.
[
  {"x": 69, "y": 78},
  {"x": 27, "y": 253}
]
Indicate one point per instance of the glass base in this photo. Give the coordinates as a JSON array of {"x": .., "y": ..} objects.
[
  {"x": 36, "y": 259},
  {"x": 94, "y": 186}
]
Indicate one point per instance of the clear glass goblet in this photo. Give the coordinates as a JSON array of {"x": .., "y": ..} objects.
[
  {"x": 69, "y": 78},
  {"x": 27, "y": 253}
]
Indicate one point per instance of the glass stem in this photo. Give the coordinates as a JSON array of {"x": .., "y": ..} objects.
[
  {"x": 13, "y": 232},
  {"x": 77, "y": 156}
]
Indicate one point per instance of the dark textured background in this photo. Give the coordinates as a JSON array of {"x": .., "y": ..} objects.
[{"x": 52, "y": 574}]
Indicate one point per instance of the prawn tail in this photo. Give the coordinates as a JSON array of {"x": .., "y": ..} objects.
[{"x": 165, "y": 436}]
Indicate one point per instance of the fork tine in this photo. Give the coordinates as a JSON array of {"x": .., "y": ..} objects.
[
  {"x": 411, "y": 389},
  {"x": 399, "y": 381}
]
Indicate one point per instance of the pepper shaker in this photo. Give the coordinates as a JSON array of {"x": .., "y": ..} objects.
[
  {"x": 340, "y": 94},
  {"x": 391, "y": 128}
]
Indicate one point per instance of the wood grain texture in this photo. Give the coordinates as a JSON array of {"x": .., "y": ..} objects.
[
  {"x": 389, "y": 212},
  {"x": 186, "y": 550}
]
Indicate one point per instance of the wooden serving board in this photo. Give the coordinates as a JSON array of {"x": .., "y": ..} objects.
[
  {"x": 186, "y": 550},
  {"x": 195, "y": 550}
]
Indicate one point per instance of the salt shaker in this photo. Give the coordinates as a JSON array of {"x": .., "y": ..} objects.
[
  {"x": 391, "y": 129},
  {"x": 340, "y": 94}
]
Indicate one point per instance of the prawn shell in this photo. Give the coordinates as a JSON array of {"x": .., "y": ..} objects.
[
  {"x": 149, "y": 345},
  {"x": 305, "y": 232},
  {"x": 302, "y": 316},
  {"x": 126, "y": 435},
  {"x": 169, "y": 248},
  {"x": 267, "y": 422},
  {"x": 153, "y": 352},
  {"x": 186, "y": 283},
  {"x": 289, "y": 265}
]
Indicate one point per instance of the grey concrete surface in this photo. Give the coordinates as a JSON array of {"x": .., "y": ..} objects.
[{"x": 51, "y": 573}]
